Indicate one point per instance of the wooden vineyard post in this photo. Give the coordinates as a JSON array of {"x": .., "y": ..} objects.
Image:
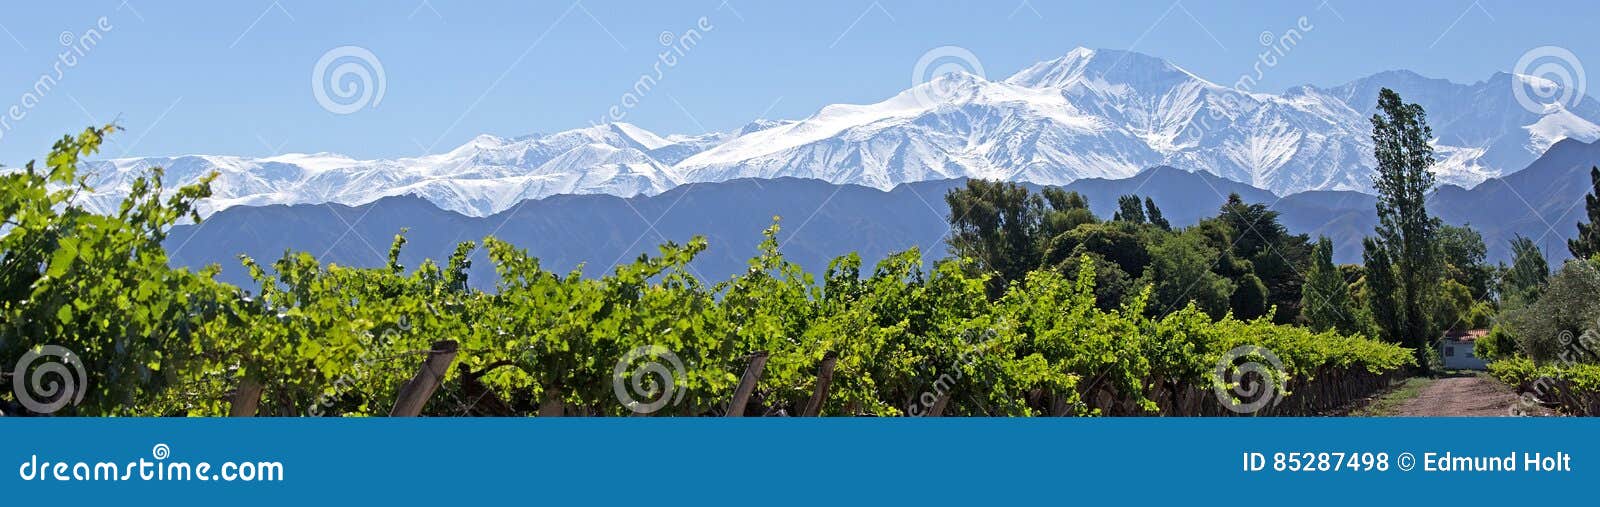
[
  {"x": 824, "y": 379},
  {"x": 415, "y": 393},
  {"x": 937, "y": 410},
  {"x": 483, "y": 401},
  {"x": 552, "y": 405},
  {"x": 245, "y": 399},
  {"x": 747, "y": 384}
]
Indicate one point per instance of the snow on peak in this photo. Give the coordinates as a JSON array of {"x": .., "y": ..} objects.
[
  {"x": 481, "y": 143},
  {"x": 955, "y": 91},
  {"x": 762, "y": 124},
  {"x": 649, "y": 140},
  {"x": 1090, "y": 113},
  {"x": 1557, "y": 124},
  {"x": 1083, "y": 65}
]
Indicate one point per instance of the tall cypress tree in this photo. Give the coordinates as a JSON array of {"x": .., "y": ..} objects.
[
  {"x": 1325, "y": 299},
  {"x": 1400, "y": 137},
  {"x": 1587, "y": 244}
]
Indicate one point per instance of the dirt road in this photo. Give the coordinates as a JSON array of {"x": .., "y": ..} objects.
[{"x": 1464, "y": 396}]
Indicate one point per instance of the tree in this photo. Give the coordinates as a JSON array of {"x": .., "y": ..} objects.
[
  {"x": 1154, "y": 214},
  {"x": 997, "y": 225},
  {"x": 1455, "y": 309},
  {"x": 1560, "y": 325},
  {"x": 1129, "y": 209},
  {"x": 1325, "y": 300},
  {"x": 1496, "y": 346},
  {"x": 1529, "y": 270},
  {"x": 1255, "y": 227},
  {"x": 1249, "y": 298},
  {"x": 1261, "y": 244},
  {"x": 1463, "y": 253},
  {"x": 1180, "y": 271},
  {"x": 1112, "y": 285},
  {"x": 1400, "y": 138},
  {"x": 1068, "y": 210},
  {"x": 1381, "y": 290},
  {"x": 1062, "y": 200},
  {"x": 1118, "y": 242},
  {"x": 1587, "y": 244}
]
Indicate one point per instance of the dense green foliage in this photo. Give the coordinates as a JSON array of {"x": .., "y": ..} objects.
[
  {"x": 1548, "y": 344},
  {"x": 98, "y": 285},
  {"x": 328, "y": 339},
  {"x": 1241, "y": 261},
  {"x": 1498, "y": 344},
  {"x": 1463, "y": 259},
  {"x": 1566, "y": 313}
]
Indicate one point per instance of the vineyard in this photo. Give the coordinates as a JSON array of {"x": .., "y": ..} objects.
[
  {"x": 648, "y": 338},
  {"x": 1574, "y": 388}
]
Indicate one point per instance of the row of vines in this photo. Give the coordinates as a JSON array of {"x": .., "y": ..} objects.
[
  {"x": 1574, "y": 388},
  {"x": 893, "y": 339}
]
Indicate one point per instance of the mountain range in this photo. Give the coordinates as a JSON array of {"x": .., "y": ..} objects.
[
  {"x": 1104, "y": 114},
  {"x": 821, "y": 220}
]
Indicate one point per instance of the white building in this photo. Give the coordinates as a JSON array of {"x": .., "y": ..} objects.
[{"x": 1457, "y": 349}]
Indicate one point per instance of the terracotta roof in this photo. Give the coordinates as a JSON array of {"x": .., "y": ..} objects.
[{"x": 1467, "y": 336}]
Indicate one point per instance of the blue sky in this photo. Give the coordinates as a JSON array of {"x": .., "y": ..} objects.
[{"x": 236, "y": 77}]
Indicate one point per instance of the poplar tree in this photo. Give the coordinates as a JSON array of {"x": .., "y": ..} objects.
[{"x": 1406, "y": 232}]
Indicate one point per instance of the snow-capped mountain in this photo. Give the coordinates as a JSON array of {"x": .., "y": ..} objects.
[
  {"x": 1090, "y": 113},
  {"x": 483, "y": 176},
  {"x": 1108, "y": 113}
]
